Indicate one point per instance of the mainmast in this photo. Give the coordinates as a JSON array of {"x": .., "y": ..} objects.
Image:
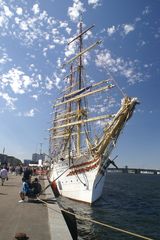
[
  {"x": 70, "y": 96},
  {"x": 80, "y": 83},
  {"x": 69, "y": 111}
]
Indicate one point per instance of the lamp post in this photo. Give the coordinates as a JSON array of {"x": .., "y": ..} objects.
[{"x": 4, "y": 157}]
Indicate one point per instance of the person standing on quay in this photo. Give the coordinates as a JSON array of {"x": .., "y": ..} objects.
[
  {"x": 3, "y": 175},
  {"x": 27, "y": 175}
]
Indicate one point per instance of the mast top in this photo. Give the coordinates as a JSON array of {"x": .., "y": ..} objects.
[{"x": 81, "y": 17}]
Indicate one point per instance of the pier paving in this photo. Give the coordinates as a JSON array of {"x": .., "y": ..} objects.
[{"x": 33, "y": 218}]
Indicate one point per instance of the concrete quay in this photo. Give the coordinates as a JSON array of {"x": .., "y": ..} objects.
[{"x": 38, "y": 220}]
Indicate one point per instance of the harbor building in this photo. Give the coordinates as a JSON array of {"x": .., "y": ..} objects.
[{"x": 38, "y": 156}]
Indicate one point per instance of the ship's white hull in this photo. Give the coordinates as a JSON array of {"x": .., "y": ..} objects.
[{"x": 86, "y": 186}]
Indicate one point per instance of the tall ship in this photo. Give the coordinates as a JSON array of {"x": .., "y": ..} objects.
[{"x": 82, "y": 139}]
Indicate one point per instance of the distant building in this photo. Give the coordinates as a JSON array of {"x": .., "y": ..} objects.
[
  {"x": 26, "y": 161},
  {"x": 36, "y": 157}
]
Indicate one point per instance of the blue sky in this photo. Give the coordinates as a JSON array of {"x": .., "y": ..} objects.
[{"x": 33, "y": 37}]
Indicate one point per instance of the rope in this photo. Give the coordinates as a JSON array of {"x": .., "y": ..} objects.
[
  {"x": 123, "y": 94},
  {"x": 99, "y": 223}
]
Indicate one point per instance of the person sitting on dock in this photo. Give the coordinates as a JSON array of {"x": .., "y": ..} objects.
[
  {"x": 36, "y": 187},
  {"x": 25, "y": 190}
]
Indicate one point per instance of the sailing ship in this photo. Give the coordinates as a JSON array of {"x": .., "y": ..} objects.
[{"x": 80, "y": 156}]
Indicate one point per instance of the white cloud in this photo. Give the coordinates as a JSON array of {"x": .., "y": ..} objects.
[
  {"x": 32, "y": 25},
  {"x": 156, "y": 35},
  {"x": 2, "y": 21},
  {"x": 111, "y": 30},
  {"x": 19, "y": 11},
  {"x": 23, "y": 25},
  {"x": 59, "y": 41},
  {"x": 63, "y": 24},
  {"x": 7, "y": 11},
  {"x": 128, "y": 69},
  {"x": 17, "y": 80},
  {"x": 146, "y": 11},
  {"x": 128, "y": 28},
  {"x": 35, "y": 9},
  {"x": 17, "y": 20},
  {"x": 9, "y": 100},
  {"x": 5, "y": 17},
  {"x": 68, "y": 30},
  {"x": 104, "y": 59},
  {"x": 45, "y": 52},
  {"x": 4, "y": 58},
  {"x": 49, "y": 84},
  {"x": 56, "y": 80},
  {"x": 55, "y": 31},
  {"x": 141, "y": 43},
  {"x": 59, "y": 63},
  {"x": 51, "y": 46},
  {"x": 30, "y": 113},
  {"x": 124, "y": 29},
  {"x": 26, "y": 26},
  {"x": 95, "y": 3},
  {"x": 75, "y": 11},
  {"x": 35, "y": 97},
  {"x": 26, "y": 81},
  {"x": 137, "y": 19},
  {"x": 70, "y": 49}
]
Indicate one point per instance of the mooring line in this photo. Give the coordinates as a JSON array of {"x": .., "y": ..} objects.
[{"x": 100, "y": 223}]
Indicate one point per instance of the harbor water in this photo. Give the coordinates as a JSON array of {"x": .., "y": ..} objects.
[{"x": 129, "y": 201}]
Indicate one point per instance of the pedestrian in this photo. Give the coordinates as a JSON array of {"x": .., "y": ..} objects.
[
  {"x": 17, "y": 170},
  {"x": 3, "y": 175},
  {"x": 25, "y": 190},
  {"x": 27, "y": 175},
  {"x": 20, "y": 170}
]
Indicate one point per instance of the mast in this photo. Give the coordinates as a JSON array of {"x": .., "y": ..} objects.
[
  {"x": 80, "y": 83},
  {"x": 69, "y": 111},
  {"x": 73, "y": 94}
]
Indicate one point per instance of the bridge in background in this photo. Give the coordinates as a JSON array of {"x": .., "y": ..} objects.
[{"x": 134, "y": 170}]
